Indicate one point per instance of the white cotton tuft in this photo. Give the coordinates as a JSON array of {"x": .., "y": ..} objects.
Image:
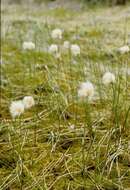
[
  {"x": 16, "y": 108},
  {"x": 75, "y": 49},
  {"x": 28, "y": 102},
  {"x": 124, "y": 49},
  {"x": 108, "y": 78},
  {"x": 28, "y": 45},
  {"x": 53, "y": 49},
  {"x": 86, "y": 90},
  {"x": 66, "y": 45},
  {"x": 56, "y": 34}
]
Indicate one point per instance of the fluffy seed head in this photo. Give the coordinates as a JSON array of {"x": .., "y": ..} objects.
[
  {"x": 28, "y": 102},
  {"x": 86, "y": 90},
  {"x": 28, "y": 45},
  {"x": 16, "y": 108},
  {"x": 75, "y": 49},
  {"x": 53, "y": 49},
  {"x": 124, "y": 49},
  {"x": 56, "y": 34},
  {"x": 66, "y": 45},
  {"x": 108, "y": 78}
]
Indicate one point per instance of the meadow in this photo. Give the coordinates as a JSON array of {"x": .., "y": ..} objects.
[{"x": 65, "y": 139}]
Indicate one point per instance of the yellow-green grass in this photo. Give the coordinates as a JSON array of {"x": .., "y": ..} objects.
[{"x": 40, "y": 150}]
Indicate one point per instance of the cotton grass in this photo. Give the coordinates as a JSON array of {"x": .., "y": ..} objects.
[
  {"x": 28, "y": 45},
  {"x": 75, "y": 49},
  {"x": 28, "y": 102},
  {"x": 124, "y": 49},
  {"x": 56, "y": 34},
  {"x": 66, "y": 45},
  {"x": 86, "y": 90},
  {"x": 108, "y": 78},
  {"x": 53, "y": 49},
  {"x": 16, "y": 108}
]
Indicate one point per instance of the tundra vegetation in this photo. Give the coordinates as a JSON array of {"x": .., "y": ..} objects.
[{"x": 65, "y": 96}]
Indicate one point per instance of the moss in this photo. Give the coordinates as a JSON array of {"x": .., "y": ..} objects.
[{"x": 48, "y": 139}]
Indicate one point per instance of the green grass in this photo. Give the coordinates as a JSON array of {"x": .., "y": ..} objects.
[{"x": 40, "y": 150}]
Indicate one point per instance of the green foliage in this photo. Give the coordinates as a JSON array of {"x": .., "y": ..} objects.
[{"x": 64, "y": 143}]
